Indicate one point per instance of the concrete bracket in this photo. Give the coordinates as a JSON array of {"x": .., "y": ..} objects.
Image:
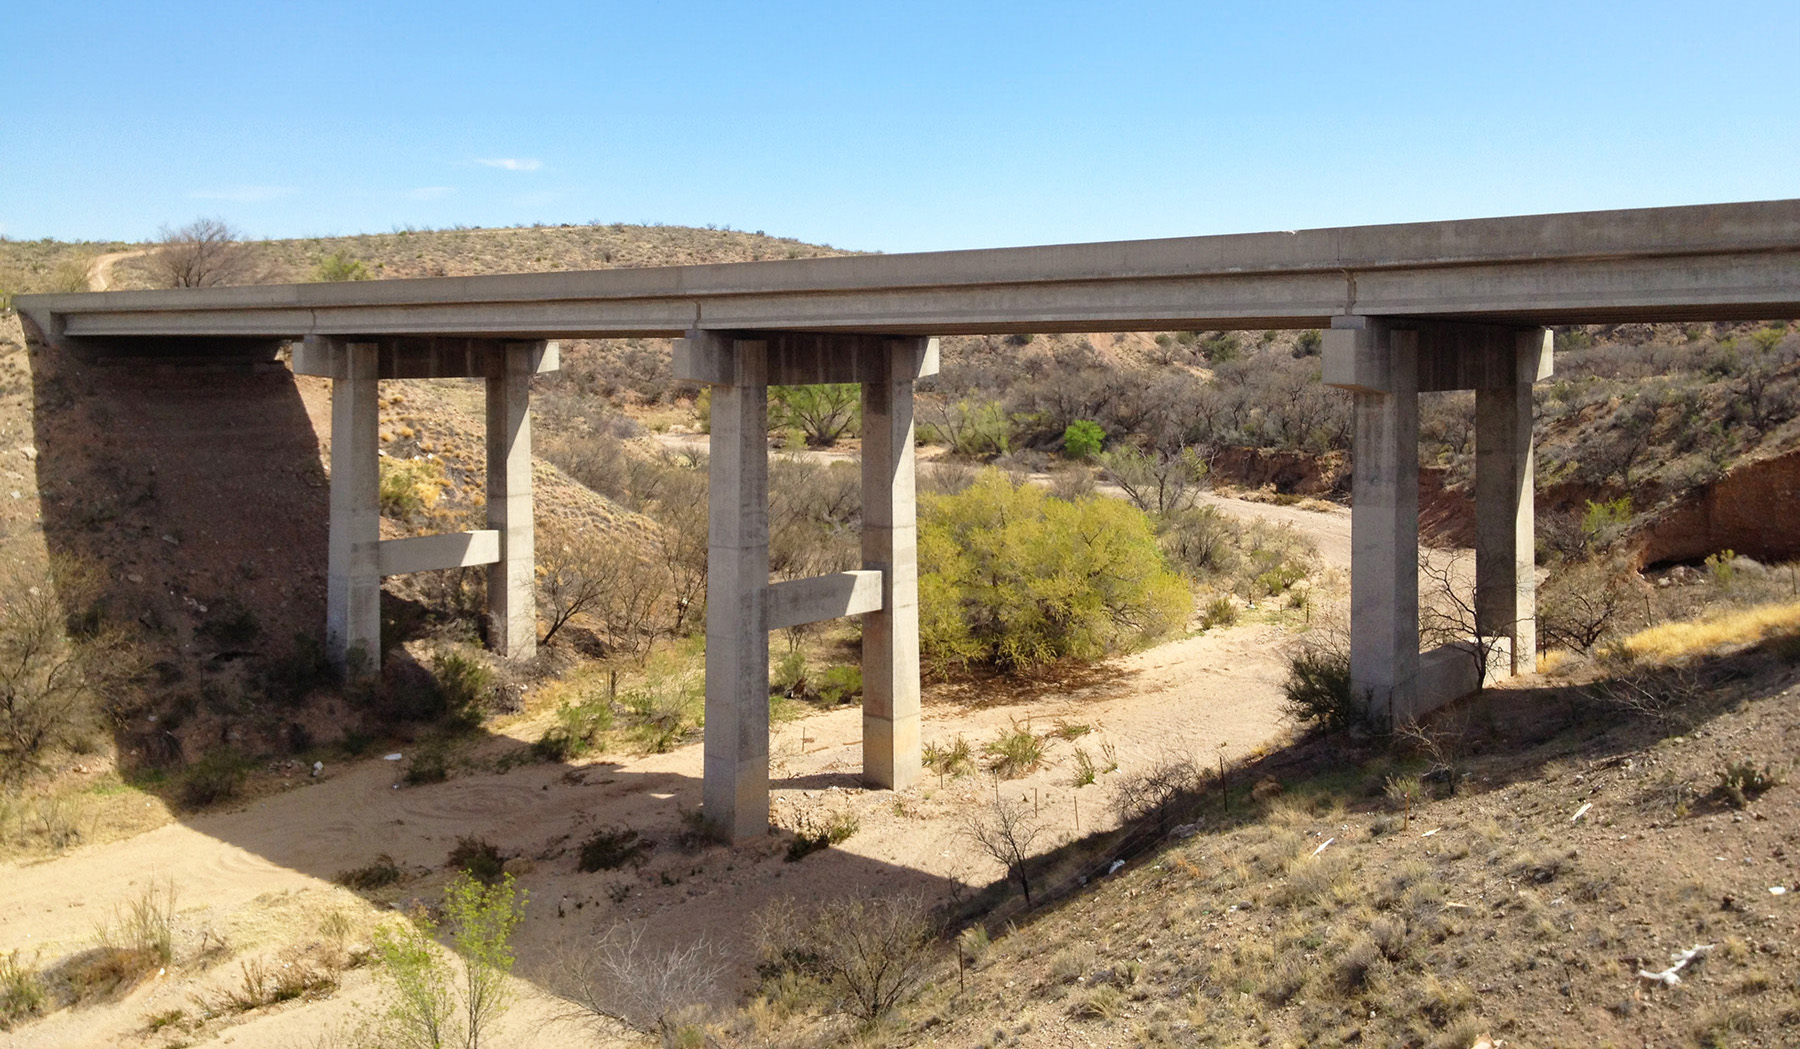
[{"x": 822, "y": 597}]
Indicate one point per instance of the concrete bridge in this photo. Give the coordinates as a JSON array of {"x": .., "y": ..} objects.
[{"x": 1406, "y": 309}]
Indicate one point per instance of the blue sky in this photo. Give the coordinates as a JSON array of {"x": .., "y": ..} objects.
[{"x": 894, "y": 126}]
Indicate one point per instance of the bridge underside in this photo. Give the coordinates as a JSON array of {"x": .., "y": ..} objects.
[{"x": 1406, "y": 309}]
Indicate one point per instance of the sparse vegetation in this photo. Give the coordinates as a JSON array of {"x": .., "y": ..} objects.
[
  {"x": 864, "y": 956},
  {"x": 22, "y": 992},
  {"x": 815, "y": 834},
  {"x": 431, "y": 1004},
  {"x": 1014, "y": 752},
  {"x": 378, "y": 873},
  {"x": 1742, "y": 782},
  {"x": 478, "y": 859},
  {"x": 954, "y": 759},
  {"x": 611, "y": 848},
  {"x": 217, "y": 776}
]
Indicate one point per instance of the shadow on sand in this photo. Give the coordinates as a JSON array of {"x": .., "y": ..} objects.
[{"x": 197, "y": 491}]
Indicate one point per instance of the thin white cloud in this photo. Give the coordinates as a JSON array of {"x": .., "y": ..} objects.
[
  {"x": 510, "y": 163},
  {"x": 243, "y": 194},
  {"x": 430, "y": 192}
]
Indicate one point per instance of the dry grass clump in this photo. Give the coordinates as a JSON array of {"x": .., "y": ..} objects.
[
  {"x": 1015, "y": 752},
  {"x": 263, "y": 983},
  {"x": 378, "y": 873},
  {"x": 1668, "y": 642},
  {"x": 22, "y": 991},
  {"x": 139, "y": 940}
]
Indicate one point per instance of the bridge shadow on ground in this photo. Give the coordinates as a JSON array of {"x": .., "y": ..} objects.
[{"x": 194, "y": 494}]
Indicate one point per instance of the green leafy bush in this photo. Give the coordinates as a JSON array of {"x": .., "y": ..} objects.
[
  {"x": 1012, "y": 577},
  {"x": 339, "y": 266},
  {"x": 429, "y": 1002},
  {"x": 1083, "y": 439},
  {"x": 217, "y": 776},
  {"x": 1318, "y": 687},
  {"x": 578, "y": 729}
]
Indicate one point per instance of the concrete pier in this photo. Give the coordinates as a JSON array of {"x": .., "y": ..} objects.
[
  {"x": 890, "y": 545},
  {"x": 736, "y": 789},
  {"x": 1505, "y": 542},
  {"x": 353, "y": 572},
  {"x": 742, "y": 606},
  {"x": 511, "y": 580},
  {"x": 1379, "y": 364}
]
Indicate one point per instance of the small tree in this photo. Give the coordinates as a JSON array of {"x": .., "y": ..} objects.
[
  {"x": 431, "y": 1008},
  {"x": 482, "y": 919},
  {"x": 822, "y": 412},
  {"x": 866, "y": 955},
  {"x": 604, "y": 576},
  {"x": 54, "y": 683},
  {"x": 1006, "y": 830},
  {"x": 1156, "y": 482},
  {"x": 204, "y": 253}
]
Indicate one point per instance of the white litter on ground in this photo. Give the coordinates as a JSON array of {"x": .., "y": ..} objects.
[{"x": 1668, "y": 977}]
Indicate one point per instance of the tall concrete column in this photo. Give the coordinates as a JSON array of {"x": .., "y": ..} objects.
[
  {"x": 1505, "y": 583},
  {"x": 511, "y": 581},
  {"x": 1384, "y": 527},
  {"x": 890, "y": 656},
  {"x": 353, "y": 573},
  {"x": 736, "y": 788}
]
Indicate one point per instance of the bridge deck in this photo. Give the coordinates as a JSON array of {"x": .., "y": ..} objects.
[{"x": 1721, "y": 261}]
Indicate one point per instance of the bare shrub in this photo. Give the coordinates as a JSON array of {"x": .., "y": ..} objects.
[
  {"x": 1157, "y": 795},
  {"x": 1580, "y": 602},
  {"x": 204, "y": 253},
  {"x": 866, "y": 956},
  {"x": 1155, "y": 482},
  {"x": 604, "y": 576},
  {"x": 1007, "y": 830},
  {"x": 1670, "y": 695},
  {"x": 55, "y": 681},
  {"x": 1443, "y": 743},
  {"x": 656, "y": 992}
]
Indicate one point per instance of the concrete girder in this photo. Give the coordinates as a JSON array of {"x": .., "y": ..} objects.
[{"x": 1710, "y": 262}]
